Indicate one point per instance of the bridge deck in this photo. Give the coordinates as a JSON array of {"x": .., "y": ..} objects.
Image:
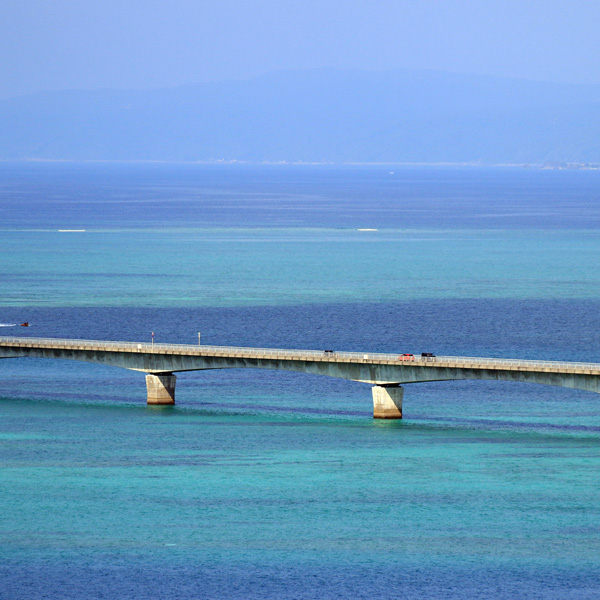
[{"x": 374, "y": 358}]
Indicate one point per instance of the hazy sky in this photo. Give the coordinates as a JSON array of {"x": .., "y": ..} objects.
[{"x": 89, "y": 44}]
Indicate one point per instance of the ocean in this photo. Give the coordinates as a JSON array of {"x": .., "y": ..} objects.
[{"x": 261, "y": 484}]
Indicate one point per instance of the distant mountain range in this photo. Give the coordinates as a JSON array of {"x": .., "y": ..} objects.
[{"x": 314, "y": 116}]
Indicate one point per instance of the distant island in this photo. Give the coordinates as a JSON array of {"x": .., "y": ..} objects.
[
  {"x": 316, "y": 116},
  {"x": 572, "y": 166}
]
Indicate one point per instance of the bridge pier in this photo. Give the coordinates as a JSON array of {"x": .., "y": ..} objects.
[
  {"x": 387, "y": 401},
  {"x": 161, "y": 388}
]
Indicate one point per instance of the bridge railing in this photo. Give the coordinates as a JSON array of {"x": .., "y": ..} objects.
[{"x": 291, "y": 354}]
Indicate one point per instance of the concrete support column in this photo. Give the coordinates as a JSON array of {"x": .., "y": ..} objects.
[
  {"x": 161, "y": 388},
  {"x": 387, "y": 402}
]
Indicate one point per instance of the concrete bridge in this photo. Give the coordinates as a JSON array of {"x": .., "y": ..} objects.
[{"x": 386, "y": 372}]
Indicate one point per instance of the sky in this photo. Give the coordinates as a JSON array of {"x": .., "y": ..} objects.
[{"x": 149, "y": 44}]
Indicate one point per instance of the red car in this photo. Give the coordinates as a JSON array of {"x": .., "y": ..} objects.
[{"x": 406, "y": 357}]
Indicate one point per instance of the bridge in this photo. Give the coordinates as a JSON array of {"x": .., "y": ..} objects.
[{"x": 385, "y": 372}]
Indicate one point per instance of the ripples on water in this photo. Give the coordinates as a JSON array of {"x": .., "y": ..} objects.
[{"x": 262, "y": 484}]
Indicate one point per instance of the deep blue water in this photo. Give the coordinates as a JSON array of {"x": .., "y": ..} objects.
[
  {"x": 279, "y": 485},
  {"x": 140, "y": 196}
]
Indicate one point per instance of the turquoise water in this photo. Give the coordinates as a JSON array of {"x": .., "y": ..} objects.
[
  {"x": 281, "y": 485},
  {"x": 173, "y": 502},
  {"x": 249, "y": 267}
]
